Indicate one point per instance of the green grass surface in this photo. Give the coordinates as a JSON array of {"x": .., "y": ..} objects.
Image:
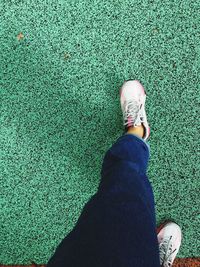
[{"x": 60, "y": 112}]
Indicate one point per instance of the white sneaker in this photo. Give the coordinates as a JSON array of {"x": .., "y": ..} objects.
[
  {"x": 169, "y": 240},
  {"x": 132, "y": 99}
]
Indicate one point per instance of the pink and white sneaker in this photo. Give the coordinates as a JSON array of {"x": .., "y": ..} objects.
[
  {"x": 132, "y": 99},
  {"x": 169, "y": 239}
]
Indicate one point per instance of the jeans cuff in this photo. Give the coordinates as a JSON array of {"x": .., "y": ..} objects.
[{"x": 148, "y": 146}]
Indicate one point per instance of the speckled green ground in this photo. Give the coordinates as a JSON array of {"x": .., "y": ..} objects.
[{"x": 60, "y": 112}]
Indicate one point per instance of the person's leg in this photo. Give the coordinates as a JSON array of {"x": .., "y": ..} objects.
[{"x": 117, "y": 226}]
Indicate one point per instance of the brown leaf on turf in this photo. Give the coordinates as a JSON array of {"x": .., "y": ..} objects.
[{"x": 20, "y": 36}]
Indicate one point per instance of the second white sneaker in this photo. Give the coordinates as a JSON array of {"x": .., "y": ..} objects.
[{"x": 169, "y": 240}]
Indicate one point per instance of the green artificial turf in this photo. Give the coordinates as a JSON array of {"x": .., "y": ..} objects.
[{"x": 60, "y": 112}]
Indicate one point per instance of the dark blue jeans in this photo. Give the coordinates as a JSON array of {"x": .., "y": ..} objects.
[{"x": 117, "y": 227}]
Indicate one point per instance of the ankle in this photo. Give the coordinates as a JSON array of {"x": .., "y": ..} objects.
[{"x": 136, "y": 130}]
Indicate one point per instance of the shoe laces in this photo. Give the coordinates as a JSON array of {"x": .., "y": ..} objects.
[
  {"x": 166, "y": 252},
  {"x": 133, "y": 111}
]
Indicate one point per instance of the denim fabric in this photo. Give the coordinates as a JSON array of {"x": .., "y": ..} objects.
[
  {"x": 117, "y": 227},
  {"x": 141, "y": 140}
]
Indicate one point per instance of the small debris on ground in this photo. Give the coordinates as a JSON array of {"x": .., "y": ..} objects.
[
  {"x": 66, "y": 56},
  {"x": 20, "y": 36}
]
